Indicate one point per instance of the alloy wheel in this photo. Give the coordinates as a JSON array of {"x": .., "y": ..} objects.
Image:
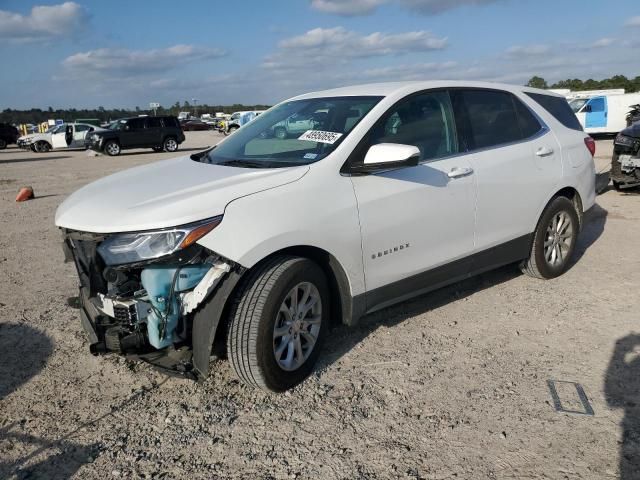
[
  {"x": 558, "y": 239},
  {"x": 297, "y": 326}
]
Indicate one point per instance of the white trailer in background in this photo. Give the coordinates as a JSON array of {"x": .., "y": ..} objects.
[{"x": 604, "y": 113}]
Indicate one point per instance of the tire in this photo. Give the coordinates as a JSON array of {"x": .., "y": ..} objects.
[
  {"x": 280, "y": 133},
  {"x": 552, "y": 260},
  {"x": 253, "y": 342},
  {"x": 617, "y": 186},
  {"x": 42, "y": 146},
  {"x": 112, "y": 148},
  {"x": 170, "y": 144},
  {"x": 3, "y": 144}
]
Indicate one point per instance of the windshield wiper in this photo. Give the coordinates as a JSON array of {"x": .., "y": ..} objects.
[{"x": 244, "y": 164}]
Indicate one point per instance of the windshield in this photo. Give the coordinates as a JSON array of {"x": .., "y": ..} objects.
[
  {"x": 577, "y": 104},
  {"x": 293, "y": 133},
  {"x": 118, "y": 125}
]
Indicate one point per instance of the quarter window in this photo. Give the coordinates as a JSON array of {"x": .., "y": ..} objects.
[
  {"x": 154, "y": 122},
  {"x": 559, "y": 108},
  {"x": 528, "y": 123},
  {"x": 424, "y": 121}
]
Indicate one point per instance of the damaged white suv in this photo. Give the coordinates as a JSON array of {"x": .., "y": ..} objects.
[{"x": 256, "y": 246}]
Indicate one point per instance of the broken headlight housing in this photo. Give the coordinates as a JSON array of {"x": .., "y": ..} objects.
[{"x": 122, "y": 248}]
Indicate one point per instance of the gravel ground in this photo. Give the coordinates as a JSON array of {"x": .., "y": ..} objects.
[{"x": 449, "y": 385}]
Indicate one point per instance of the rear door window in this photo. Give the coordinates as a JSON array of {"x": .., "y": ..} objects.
[
  {"x": 489, "y": 118},
  {"x": 559, "y": 108}
]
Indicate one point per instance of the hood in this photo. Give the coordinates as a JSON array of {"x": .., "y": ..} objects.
[
  {"x": 31, "y": 136},
  {"x": 165, "y": 194}
]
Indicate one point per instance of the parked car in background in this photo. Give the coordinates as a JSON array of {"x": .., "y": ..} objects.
[
  {"x": 299, "y": 123},
  {"x": 194, "y": 125},
  {"x": 65, "y": 135},
  {"x": 238, "y": 119},
  {"x": 159, "y": 133},
  {"x": 633, "y": 115},
  {"x": 259, "y": 243},
  {"x": 8, "y": 135}
]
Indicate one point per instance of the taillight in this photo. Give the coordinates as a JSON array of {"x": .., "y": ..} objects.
[{"x": 591, "y": 145}]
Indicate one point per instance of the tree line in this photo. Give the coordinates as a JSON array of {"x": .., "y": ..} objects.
[
  {"x": 38, "y": 115},
  {"x": 575, "y": 84}
]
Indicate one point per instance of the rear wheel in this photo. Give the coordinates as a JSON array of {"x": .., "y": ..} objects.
[
  {"x": 3, "y": 144},
  {"x": 112, "y": 148},
  {"x": 170, "y": 144},
  {"x": 554, "y": 240},
  {"x": 278, "y": 322}
]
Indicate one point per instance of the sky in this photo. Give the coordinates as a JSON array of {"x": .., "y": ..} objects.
[{"x": 126, "y": 53}]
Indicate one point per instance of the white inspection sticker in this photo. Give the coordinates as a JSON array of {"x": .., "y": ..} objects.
[{"x": 320, "y": 136}]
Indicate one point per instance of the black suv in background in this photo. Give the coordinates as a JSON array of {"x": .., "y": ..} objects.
[
  {"x": 158, "y": 133},
  {"x": 8, "y": 135}
]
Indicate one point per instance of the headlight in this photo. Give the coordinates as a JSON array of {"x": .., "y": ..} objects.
[
  {"x": 624, "y": 140},
  {"x": 124, "y": 248}
]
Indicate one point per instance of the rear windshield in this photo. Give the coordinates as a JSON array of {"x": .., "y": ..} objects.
[
  {"x": 293, "y": 133},
  {"x": 559, "y": 108}
]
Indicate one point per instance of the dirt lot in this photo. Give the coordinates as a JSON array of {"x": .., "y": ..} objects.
[{"x": 449, "y": 385}]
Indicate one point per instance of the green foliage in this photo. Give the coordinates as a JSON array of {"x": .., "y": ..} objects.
[
  {"x": 537, "y": 82},
  {"x": 37, "y": 115},
  {"x": 617, "y": 81}
]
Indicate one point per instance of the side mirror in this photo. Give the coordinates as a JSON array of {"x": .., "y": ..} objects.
[{"x": 390, "y": 155}]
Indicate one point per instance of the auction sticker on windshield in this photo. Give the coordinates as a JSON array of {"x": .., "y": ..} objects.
[{"x": 320, "y": 136}]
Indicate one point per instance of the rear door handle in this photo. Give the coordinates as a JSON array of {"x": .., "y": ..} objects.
[
  {"x": 457, "y": 172},
  {"x": 544, "y": 151}
]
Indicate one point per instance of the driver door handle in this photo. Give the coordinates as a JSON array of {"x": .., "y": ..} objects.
[
  {"x": 457, "y": 172},
  {"x": 544, "y": 151}
]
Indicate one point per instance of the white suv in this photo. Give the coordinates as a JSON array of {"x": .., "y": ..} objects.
[{"x": 256, "y": 246}]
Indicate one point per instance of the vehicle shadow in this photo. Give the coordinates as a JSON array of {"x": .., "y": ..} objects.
[
  {"x": 24, "y": 352},
  {"x": 622, "y": 390},
  {"x": 592, "y": 228},
  {"x": 344, "y": 338},
  {"x": 40, "y": 158}
]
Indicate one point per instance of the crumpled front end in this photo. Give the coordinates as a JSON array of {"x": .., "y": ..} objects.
[
  {"x": 148, "y": 309},
  {"x": 625, "y": 163}
]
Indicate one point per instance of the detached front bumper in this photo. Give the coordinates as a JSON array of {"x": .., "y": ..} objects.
[
  {"x": 24, "y": 144},
  {"x": 625, "y": 169},
  {"x": 120, "y": 316}
]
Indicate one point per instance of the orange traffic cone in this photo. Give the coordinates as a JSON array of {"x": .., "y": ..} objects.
[{"x": 25, "y": 193}]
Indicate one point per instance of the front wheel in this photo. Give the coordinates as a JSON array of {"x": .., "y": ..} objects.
[
  {"x": 170, "y": 144},
  {"x": 554, "y": 240},
  {"x": 278, "y": 322},
  {"x": 112, "y": 148},
  {"x": 42, "y": 146}
]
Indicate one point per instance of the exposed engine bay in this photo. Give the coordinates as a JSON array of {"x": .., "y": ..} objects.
[{"x": 145, "y": 309}]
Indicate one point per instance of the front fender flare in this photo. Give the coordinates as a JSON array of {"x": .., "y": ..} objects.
[{"x": 206, "y": 320}]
